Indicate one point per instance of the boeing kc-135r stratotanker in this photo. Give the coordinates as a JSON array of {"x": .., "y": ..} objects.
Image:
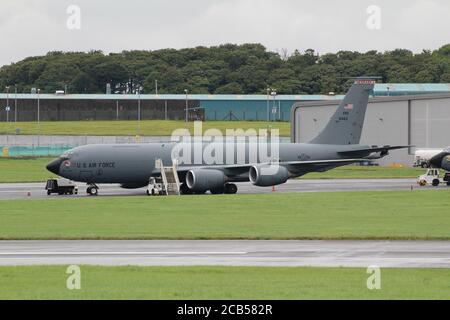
[{"x": 132, "y": 166}]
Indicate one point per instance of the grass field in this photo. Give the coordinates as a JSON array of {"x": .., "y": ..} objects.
[
  {"x": 361, "y": 215},
  {"x": 130, "y": 128},
  {"x": 24, "y": 170},
  {"x": 193, "y": 283},
  {"x": 33, "y": 170}
]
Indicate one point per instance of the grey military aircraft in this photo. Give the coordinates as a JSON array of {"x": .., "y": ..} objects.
[
  {"x": 132, "y": 166},
  {"x": 442, "y": 161}
]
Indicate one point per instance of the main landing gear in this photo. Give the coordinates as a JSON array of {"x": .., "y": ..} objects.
[
  {"x": 92, "y": 190},
  {"x": 229, "y": 188}
]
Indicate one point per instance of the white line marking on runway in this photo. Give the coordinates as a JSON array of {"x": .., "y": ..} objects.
[{"x": 115, "y": 253}]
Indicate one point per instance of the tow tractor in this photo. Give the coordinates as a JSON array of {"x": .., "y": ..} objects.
[
  {"x": 432, "y": 177},
  {"x": 61, "y": 187},
  {"x": 156, "y": 187}
]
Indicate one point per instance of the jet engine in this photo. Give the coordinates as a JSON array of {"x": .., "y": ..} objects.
[
  {"x": 202, "y": 180},
  {"x": 446, "y": 163},
  {"x": 268, "y": 175}
]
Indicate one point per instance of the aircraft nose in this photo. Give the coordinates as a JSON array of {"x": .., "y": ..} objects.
[{"x": 54, "y": 166}]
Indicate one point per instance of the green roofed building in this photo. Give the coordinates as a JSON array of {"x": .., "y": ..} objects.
[{"x": 72, "y": 107}]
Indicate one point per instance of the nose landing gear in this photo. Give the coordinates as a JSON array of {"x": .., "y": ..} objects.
[{"x": 92, "y": 190}]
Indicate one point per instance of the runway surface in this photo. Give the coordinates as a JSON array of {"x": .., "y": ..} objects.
[
  {"x": 10, "y": 191},
  {"x": 396, "y": 254}
]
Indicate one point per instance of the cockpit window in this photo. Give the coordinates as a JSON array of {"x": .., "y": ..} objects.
[{"x": 66, "y": 155}]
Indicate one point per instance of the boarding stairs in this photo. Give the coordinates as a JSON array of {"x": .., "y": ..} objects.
[{"x": 169, "y": 177}]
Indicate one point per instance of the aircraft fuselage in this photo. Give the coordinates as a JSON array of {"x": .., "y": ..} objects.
[{"x": 135, "y": 164}]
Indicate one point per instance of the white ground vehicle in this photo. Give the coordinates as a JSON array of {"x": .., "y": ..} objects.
[
  {"x": 430, "y": 178},
  {"x": 156, "y": 187},
  {"x": 422, "y": 157},
  {"x": 61, "y": 187}
]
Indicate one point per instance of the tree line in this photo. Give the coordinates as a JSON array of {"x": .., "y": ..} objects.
[{"x": 225, "y": 69}]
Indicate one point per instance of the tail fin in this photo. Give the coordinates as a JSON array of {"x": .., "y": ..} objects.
[{"x": 346, "y": 125}]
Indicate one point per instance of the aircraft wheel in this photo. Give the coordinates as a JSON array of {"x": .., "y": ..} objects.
[
  {"x": 231, "y": 188},
  {"x": 436, "y": 182},
  {"x": 49, "y": 192},
  {"x": 92, "y": 191}
]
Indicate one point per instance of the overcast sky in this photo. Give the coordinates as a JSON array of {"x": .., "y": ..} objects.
[{"x": 34, "y": 27}]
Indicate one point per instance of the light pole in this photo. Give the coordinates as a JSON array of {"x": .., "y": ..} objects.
[
  {"x": 139, "y": 109},
  {"x": 274, "y": 109},
  {"x": 7, "y": 104},
  {"x": 39, "y": 115},
  {"x": 15, "y": 103},
  {"x": 187, "y": 113},
  {"x": 156, "y": 87},
  {"x": 38, "y": 107},
  {"x": 268, "y": 105}
]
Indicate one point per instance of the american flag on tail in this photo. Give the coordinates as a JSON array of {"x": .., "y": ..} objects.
[{"x": 348, "y": 106}]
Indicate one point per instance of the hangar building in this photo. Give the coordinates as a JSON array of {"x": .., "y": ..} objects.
[{"x": 422, "y": 121}]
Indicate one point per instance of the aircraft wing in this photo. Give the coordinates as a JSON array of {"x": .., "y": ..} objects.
[
  {"x": 301, "y": 165},
  {"x": 239, "y": 169},
  {"x": 321, "y": 162},
  {"x": 383, "y": 150}
]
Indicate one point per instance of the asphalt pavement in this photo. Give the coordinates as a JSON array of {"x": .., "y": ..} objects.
[
  {"x": 395, "y": 254},
  {"x": 9, "y": 191}
]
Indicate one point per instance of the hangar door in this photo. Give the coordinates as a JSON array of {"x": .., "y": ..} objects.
[{"x": 430, "y": 122}]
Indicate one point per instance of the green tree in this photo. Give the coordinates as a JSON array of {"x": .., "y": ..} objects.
[{"x": 229, "y": 68}]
